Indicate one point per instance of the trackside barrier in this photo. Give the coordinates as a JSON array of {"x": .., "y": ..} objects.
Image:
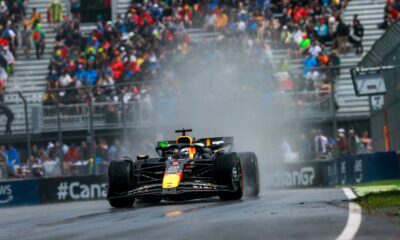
[
  {"x": 297, "y": 174},
  {"x": 362, "y": 168},
  {"x": 340, "y": 171},
  {"x": 20, "y": 192},
  {"x": 72, "y": 189},
  {"x": 52, "y": 190}
]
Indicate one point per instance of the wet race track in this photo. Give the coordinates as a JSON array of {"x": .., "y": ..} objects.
[{"x": 278, "y": 214}]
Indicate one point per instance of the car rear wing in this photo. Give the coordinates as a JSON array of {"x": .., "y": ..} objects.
[
  {"x": 217, "y": 142},
  {"x": 212, "y": 143}
]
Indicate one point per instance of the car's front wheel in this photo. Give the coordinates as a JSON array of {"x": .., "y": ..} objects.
[
  {"x": 229, "y": 173},
  {"x": 120, "y": 179}
]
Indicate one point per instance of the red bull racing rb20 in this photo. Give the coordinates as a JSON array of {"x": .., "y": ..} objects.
[{"x": 185, "y": 169}]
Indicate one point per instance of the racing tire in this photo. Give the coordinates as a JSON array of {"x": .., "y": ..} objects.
[
  {"x": 120, "y": 179},
  {"x": 251, "y": 176},
  {"x": 122, "y": 202},
  {"x": 228, "y": 172}
]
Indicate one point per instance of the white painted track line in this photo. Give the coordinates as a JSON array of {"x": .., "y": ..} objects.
[
  {"x": 354, "y": 218},
  {"x": 349, "y": 193}
]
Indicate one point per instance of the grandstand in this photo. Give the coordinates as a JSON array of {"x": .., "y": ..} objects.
[
  {"x": 120, "y": 7},
  {"x": 350, "y": 106},
  {"x": 35, "y": 71},
  {"x": 370, "y": 14},
  {"x": 30, "y": 75}
]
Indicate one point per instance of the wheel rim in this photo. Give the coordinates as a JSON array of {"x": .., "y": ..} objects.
[{"x": 237, "y": 178}]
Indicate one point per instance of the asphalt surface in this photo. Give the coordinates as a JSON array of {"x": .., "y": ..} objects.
[{"x": 278, "y": 214}]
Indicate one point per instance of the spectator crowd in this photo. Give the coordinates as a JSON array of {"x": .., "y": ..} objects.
[
  {"x": 11, "y": 14},
  {"x": 318, "y": 146},
  {"x": 119, "y": 58},
  {"x": 118, "y": 61},
  {"x": 53, "y": 159},
  {"x": 47, "y": 159},
  {"x": 391, "y": 13},
  {"x": 116, "y": 58}
]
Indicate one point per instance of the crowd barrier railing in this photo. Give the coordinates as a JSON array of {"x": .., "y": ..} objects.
[{"x": 118, "y": 114}]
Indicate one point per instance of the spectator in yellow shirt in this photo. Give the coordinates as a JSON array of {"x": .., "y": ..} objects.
[
  {"x": 222, "y": 20},
  {"x": 36, "y": 17}
]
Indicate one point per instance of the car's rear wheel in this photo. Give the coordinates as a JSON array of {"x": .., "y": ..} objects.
[
  {"x": 228, "y": 172},
  {"x": 122, "y": 202},
  {"x": 120, "y": 179},
  {"x": 249, "y": 163}
]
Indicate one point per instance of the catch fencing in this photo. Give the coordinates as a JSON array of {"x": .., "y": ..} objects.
[
  {"x": 118, "y": 113},
  {"x": 47, "y": 112},
  {"x": 122, "y": 113}
]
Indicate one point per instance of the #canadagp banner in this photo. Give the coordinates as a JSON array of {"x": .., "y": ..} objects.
[
  {"x": 72, "y": 188},
  {"x": 52, "y": 190}
]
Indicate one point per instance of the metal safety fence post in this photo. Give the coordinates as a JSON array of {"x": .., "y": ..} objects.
[{"x": 28, "y": 134}]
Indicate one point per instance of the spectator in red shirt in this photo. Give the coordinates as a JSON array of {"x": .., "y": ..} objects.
[
  {"x": 342, "y": 144},
  {"x": 394, "y": 14},
  {"x": 186, "y": 15},
  {"x": 72, "y": 155},
  {"x": 146, "y": 17},
  {"x": 107, "y": 4},
  {"x": 297, "y": 14},
  {"x": 117, "y": 68},
  {"x": 134, "y": 16}
]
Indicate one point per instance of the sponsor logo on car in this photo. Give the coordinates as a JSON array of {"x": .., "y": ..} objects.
[
  {"x": 217, "y": 142},
  {"x": 141, "y": 189},
  {"x": 206, "y": 186},
  {"x": 234, "y": 173}
]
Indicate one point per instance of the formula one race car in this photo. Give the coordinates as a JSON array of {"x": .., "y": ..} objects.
[{"x": 186, "y": 169}]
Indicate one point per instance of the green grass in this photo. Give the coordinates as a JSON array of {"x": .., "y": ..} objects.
[
  {"x": 380, "y": 183},
  {"x": 377, "y": 187},
  {"x": 388, "y": 201},
  {"x": 380, "y": 197}
]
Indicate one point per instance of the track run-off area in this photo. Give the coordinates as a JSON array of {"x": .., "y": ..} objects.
[{"x": 319, "y": 213}]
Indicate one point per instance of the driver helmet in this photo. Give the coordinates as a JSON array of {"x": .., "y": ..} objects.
[{"x": 184, "y": 152}]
